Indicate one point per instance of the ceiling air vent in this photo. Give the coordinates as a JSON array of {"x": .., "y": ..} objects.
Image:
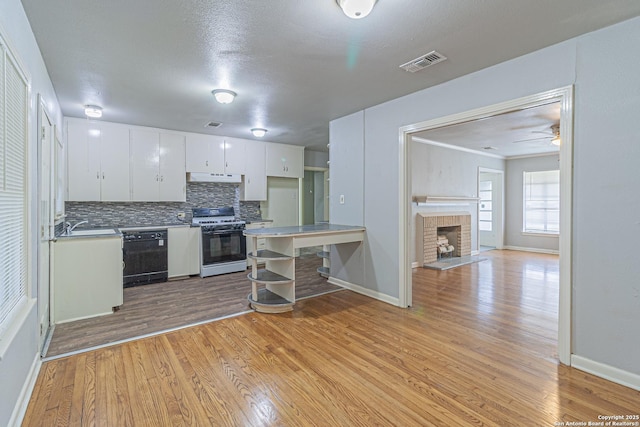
[
  {"x": 423, "y": 61},
  {"x": 213, "y": 125}
]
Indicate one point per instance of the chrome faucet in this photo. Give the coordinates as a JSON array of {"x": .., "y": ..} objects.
[{"x": 70, "y": 228}]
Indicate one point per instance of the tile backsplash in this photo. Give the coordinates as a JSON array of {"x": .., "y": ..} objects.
[{"x": 199, "y": 195}]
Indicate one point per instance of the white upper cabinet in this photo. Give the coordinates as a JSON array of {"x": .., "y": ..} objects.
[
  {"x": 157, "y": 166},
  {"x": 173, "y": 176},
  {"x": 98, "y": 165},
  {"x": 254, "y": 182},
  {"x": 205, "y": 153},
  {"x": 234, "y": 156},
  {"x": 285, "y": 160}
]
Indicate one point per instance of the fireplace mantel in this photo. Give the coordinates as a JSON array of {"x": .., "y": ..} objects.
[{"x": 445, "y": 199}]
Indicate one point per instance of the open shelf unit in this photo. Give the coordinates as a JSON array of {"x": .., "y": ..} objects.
[{"x": 273, "y": 287}]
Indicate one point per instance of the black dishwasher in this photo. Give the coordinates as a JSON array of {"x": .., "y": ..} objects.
[{"x": 144, "y": 257}]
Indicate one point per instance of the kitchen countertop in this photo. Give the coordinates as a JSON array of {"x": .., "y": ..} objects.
[{"x": 302, "y": 230}]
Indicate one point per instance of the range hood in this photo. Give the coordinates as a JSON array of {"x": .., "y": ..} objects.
[{"x": 213, "y": 177}]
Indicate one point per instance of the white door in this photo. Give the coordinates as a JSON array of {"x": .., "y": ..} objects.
[
  {"x": 45, "y": 220},
  {"x": 490, "y": 189}
]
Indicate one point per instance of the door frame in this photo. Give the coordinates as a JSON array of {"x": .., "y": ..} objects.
[
  {"x": 500, "y": 231},
  {"x": 565, "y": 96},
  {"x": 326, "y": 191},
  {"x": 44, "y": 220}
]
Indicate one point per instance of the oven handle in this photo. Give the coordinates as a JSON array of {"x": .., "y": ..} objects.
[{"x": 214, "y": 232}]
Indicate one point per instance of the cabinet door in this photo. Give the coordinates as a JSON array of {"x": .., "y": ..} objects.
[
  {"x": 285, "y": 160},
  {"x": 114, "y": 163},
  {"x": 295, "y": 162},
  {"x": 145, "y": 177},
  {"x": 173, "y": 177},
  {"x": 83, "y": 161},
  {"x": 234, "y": 156},
  {"x": 254, "y": 182},
  {"x": 204, "y": 153}
]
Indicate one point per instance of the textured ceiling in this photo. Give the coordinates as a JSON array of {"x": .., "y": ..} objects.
[
  {"x": 519, "y": 133},
  {"x": 295, "y": 65}
]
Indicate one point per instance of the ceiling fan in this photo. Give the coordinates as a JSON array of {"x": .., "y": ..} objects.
[{"x": 553, "y": 135}]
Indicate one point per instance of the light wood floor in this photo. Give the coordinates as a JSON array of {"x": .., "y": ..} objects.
[
  {"x": 162, "y": 306},
  {"x": 477, "y": 348}
]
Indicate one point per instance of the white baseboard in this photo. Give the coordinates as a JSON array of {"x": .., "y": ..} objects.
[
  {"x": 607, "y": 372},
  {"x": 364, "y": 291},
  {"x": 25, "y": 394},
  {"x": 536, "y": 250},
  {"x": 474, "y": 253},
  {"x": 415, "y": 264}
]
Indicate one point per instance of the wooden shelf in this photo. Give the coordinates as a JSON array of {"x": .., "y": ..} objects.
[
  {"x": 269, "y": 302},
  {"x": 267, "y": 255},
  {"x": 268, "y": 277}
]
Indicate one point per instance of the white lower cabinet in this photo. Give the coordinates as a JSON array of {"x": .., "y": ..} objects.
[
  {"x": 261, "y": 242},
  {"x": 184, "y": 251},
  {"x": 87, "y": 277}
]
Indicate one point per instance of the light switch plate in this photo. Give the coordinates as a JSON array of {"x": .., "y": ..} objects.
[{"x": 342, "y": 199}]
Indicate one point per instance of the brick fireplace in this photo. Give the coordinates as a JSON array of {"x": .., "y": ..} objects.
[{"x": 455, "y": 225}]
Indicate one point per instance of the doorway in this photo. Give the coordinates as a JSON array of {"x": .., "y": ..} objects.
[
  {"x": 314, "y": 202},
  {"x": 490, "y": 209},
  {"x": 565, "y": 97}
]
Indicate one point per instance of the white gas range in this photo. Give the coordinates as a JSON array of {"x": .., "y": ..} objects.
[{"x": 223, "y": 245}]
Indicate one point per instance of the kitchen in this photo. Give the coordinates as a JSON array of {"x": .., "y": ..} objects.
[{"x": 171, "y": 205}]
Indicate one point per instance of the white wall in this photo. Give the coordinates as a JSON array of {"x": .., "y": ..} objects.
[
  {"x": 514, "y": 202},
  {"x": 18, "y": 360},
  {"x": 440, "y": 171},
  {"x": 606, "y": 301},
  {"x": 317, "y": 159}
]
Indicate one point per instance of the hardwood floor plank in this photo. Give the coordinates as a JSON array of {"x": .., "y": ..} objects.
[{"x": 477, "y": 348}]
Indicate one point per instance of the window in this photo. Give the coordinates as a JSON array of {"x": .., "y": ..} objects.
[
  {"x": 485, "y": 214},
  {"x": 542, "y": 202},
  {"x": 13, "y": 154}
]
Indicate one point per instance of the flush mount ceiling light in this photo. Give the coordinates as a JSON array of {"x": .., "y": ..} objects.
[
  {"x": 356, "y": 9},
  {"x": 258, "y": 132},
  {"x": 93, "y": 111},
  {"x": 224, "y": 96}
]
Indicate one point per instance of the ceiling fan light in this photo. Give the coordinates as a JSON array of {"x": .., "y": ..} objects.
[
  {"x": 258, "y": 132},
  {"x": 556, "y": 141},
  {"x": 93, "y": 111},
  {"x": 224, "y": 96},
  {"x": 356, "y": 9}
]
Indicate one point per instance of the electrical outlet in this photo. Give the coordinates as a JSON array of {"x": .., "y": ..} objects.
[
  {"x": 342, "y": 199},
  {"x": 181, "y": 215}
]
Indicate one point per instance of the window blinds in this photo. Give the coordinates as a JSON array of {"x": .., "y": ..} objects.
[{"x": 13, "y": 154}]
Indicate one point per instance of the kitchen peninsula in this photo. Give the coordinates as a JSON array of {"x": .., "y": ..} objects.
[{"x": 278, "y": 276}]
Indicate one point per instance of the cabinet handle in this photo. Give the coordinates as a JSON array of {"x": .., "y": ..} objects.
[
  {"x": 226, "y": 164},
  {"x": 156, "y": 177},
  {"x": 102, "y": 175},
  {"x": 206, "y": 163},
  {"x": 161, "y": 178},
  {"x": 97, "y": 175}
]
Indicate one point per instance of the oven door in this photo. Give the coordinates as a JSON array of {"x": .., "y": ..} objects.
[{"x": 223, "y": 246}]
